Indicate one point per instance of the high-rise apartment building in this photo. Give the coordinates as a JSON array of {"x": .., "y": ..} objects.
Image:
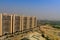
[
  {"x": 11, "y": 23},
  {"x": 32, "y": 22},
  {"x": 17, "y": 23},
  {"x": 29, "y": 23},
  {"x": 5, "y": 23}
]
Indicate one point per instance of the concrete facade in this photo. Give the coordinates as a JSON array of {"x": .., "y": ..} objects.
[
  {"x": 11, "y": 23},
  {"x": 5, "y": 24},
  {"x": 16, "y": 23}
]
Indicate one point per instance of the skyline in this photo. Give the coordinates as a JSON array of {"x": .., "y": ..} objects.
[{"x": 43, "y": 9}]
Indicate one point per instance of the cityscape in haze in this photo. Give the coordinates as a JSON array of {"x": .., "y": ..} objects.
[{"x": 29, "y": 19}]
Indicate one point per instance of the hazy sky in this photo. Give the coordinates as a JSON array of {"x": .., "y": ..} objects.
[{"x": 43, "y": 9}]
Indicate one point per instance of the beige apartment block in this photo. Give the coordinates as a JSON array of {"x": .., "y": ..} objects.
[
  {"x": 11, "y": 23},
  {"x": 21, "y": 28},
  {"x": 5, "y": 24},
  {"x": 25, "y": 23},
  {"x": 33, "y": 22},
  {"x": 16, "y": 23},
  {"x": 34, "y": 19},
  {"x": 29, "y": 22}
]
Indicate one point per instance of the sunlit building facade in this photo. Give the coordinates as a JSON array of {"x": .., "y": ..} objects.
[
  {"x": 12, "y": 23},
  {"x": 16, "y": 23},
  {"x": 5, "y": 24}
]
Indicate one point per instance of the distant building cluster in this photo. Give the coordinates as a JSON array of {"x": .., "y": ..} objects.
[{"x": 11, "y": 23}]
